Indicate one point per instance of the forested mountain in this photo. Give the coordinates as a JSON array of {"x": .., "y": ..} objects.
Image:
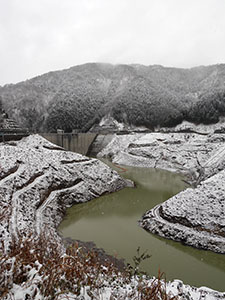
[{"x": 79, "y": 97}]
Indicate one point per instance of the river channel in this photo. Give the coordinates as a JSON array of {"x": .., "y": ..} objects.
[{"x": 111, "y": 222}]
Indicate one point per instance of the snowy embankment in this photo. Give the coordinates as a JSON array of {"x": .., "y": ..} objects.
[
  {"x": 196, "y": 215},
  {"x": 180, "y": 152},
  {"x": 38, "y": 181}
]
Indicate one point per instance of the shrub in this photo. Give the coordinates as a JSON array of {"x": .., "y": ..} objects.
[{"x": 38, "y": 266}]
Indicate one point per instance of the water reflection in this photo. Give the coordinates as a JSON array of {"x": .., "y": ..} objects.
[{"x": 111, "y": 222}]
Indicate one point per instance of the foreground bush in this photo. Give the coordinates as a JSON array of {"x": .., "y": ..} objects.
[{"x": 36, "y": 269}]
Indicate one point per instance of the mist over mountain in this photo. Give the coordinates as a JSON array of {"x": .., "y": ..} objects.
[{"x": 79, "y": 97}]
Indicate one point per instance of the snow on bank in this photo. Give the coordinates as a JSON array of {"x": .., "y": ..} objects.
[
  {"x": 195, "y": 216},
  {"x": 38, "y": 180},
  {"x": 186, "y": 126},
  {"x": 129, "y": 291},
  {"x": 182, "y": 152}
]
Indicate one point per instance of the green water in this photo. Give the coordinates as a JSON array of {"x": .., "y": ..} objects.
[{"x": 111, "y": 222}]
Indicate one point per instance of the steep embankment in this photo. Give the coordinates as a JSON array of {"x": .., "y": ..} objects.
[
  {"x": 152, "y": 96},
  {"x": 195, "y": 216},
  {"x": 38, "y": 180},
  {"x": 182, "y": 152}
]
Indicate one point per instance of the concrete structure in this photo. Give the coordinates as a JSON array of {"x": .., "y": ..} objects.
[{"x": 80, "y": 142}]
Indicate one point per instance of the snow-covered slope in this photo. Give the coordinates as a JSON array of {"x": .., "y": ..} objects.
[
  {"x": 182, "y": 152},
  {"x": 78, "y": 97},
  {"x": 195, "y": 216},
  {"x": 38, "y": 180}
]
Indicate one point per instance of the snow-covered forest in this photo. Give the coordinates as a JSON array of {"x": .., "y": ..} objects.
[{"x": 77, "y": 98}]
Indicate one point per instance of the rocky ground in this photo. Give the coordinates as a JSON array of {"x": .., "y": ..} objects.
[
  {"x": 195, "y": 216},
  {"x": 38, "y": 181},
  {"x": 187, "y": 153}
]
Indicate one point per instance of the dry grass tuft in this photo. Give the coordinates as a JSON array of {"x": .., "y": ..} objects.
[{"x": 38, "y": 265}]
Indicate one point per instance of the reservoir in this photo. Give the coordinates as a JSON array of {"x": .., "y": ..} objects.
[{"x": 111, "y": 222}]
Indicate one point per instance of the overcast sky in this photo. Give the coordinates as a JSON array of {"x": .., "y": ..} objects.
[{"x": 38, "y": 36}]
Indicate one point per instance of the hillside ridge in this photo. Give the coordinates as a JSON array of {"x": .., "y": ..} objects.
[{"x": 151, "y": 96}]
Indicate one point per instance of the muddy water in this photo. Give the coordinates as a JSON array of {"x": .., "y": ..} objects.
[{"x": 111, "y": 222}]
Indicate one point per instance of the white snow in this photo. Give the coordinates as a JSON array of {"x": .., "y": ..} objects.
[{"x": 38, "y": 178}]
